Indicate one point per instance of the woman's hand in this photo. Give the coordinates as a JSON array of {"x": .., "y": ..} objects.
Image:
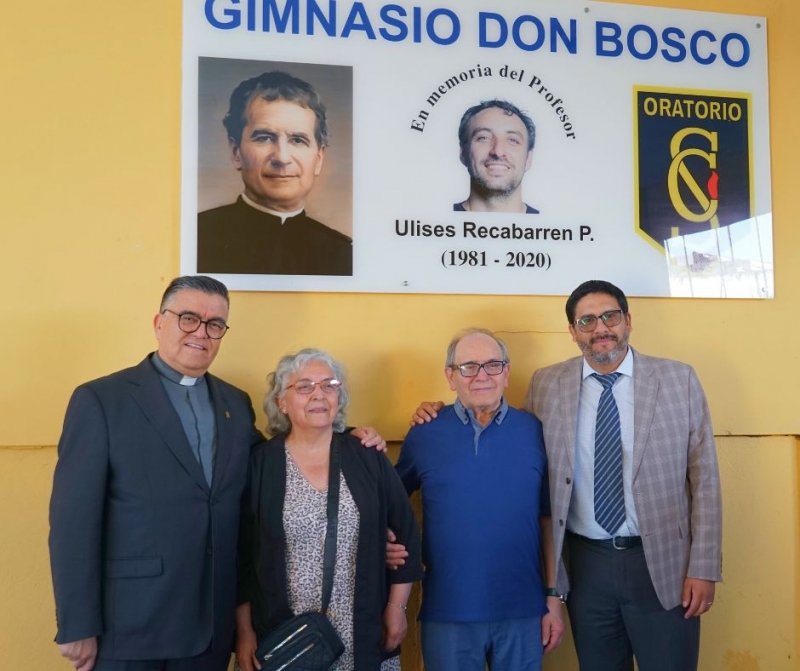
[
  {"x": 246, "y": 645},
  {"x": 395, "y": 626},
  {"x": 427, "y": 411},
  {"x": 246, "y": 642}
]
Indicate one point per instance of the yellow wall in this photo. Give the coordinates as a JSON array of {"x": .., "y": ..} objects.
[{"x": 89, "y": 204}]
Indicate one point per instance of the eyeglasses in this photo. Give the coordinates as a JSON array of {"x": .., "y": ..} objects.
[
  {"x": 472, "y": 368},
  {"x": 189, "y": 322},
  {"x": 588, "y": 323},
  {"x": 305, "y": 387}
]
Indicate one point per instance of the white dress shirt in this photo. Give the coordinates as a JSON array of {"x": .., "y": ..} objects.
[{"x": 581, "y": 509}]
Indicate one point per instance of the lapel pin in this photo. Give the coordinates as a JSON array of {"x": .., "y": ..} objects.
[{"x": 227, "y": 415}]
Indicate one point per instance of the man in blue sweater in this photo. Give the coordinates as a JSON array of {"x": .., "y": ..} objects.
[{"x": 487, "y": 535}]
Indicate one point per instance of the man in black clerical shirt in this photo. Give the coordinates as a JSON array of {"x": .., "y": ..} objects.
[{"x": 278, "y": 134}]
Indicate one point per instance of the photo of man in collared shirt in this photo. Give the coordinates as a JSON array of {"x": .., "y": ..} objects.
[{"x": 496, "y": 140}]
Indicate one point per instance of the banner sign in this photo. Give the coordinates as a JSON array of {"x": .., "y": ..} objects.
[{"x": 503, "y": 147}]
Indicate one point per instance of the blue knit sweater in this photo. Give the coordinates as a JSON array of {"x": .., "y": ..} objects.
[{"x": 482, "y": 497}]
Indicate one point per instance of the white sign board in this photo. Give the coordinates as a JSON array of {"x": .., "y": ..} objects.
[{"x": 649, "y": 164}]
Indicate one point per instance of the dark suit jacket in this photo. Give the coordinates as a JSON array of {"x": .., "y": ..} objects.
[
  {"x": 238, "y": 238},
  {"x": 143, "y": 553}
]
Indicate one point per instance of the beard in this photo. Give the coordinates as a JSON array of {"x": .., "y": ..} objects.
[
  {"x": 608, "y": 357},
  {"x": 485, "y": 189}
]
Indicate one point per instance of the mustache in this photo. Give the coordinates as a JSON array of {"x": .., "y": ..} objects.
[{"x": 604, "y": 336}]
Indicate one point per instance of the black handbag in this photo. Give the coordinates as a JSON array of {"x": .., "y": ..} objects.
[{"x": 308, "y": 641}]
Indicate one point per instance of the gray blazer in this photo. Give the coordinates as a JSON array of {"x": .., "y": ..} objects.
[
  {"x": 143, "y": 553},
  {"x": 676, "y": 486}
]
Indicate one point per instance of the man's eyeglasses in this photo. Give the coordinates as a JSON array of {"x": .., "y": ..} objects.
[
  {"x": 189, "y": 322},
  {"x": 472, "y": 368},
  {"x": 588, "y": 323},
  {"x": 305, "y": 387}
]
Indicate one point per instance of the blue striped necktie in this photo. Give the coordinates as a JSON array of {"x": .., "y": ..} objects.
[{"x": 609, "y": 496}]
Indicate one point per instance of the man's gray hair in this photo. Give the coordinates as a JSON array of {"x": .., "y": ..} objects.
[
  {"x": 278, "y": 422},
  {"x": 202, "y": 283},
  {"x": 451, "y": 348}
]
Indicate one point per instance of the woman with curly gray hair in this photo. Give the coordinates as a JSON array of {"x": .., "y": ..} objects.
[
  {"x": 284, "y": 522},
  {"x": 277, "y": 382}
]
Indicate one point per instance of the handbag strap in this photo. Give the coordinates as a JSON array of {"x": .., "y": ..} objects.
[{"x": 329, "y": 556}]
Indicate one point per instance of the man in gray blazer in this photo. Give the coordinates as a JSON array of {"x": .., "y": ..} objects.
[
  {"x": 636, "y": 504},
  {"x": 635, "y": 492}
]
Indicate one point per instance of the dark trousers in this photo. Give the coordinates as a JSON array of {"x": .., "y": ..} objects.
[
  {"x": 208, "y": 661},
  {"x": 616, "y": 615}
]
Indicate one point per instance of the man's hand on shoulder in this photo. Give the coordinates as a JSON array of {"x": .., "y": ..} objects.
[
  {"x": 426, "y": 411},
  {"x": 81, "y": 654},
  {"x": 369, "y": 437}
]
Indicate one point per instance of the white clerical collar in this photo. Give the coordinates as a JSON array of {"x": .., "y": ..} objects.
[
  {"x": 283, "y": 216},
  {"x": 173, "y": 375}
]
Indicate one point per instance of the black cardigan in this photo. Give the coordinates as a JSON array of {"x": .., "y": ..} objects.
[{"x": 381, "y": 500}]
